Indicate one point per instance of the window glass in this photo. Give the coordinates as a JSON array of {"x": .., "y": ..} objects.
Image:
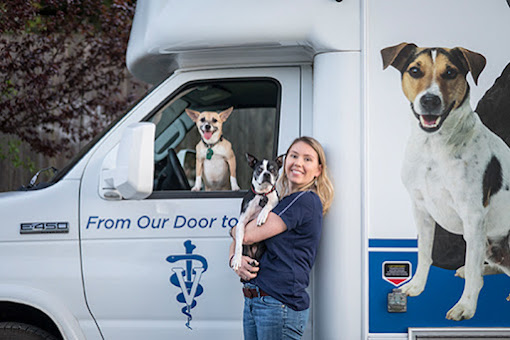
[{"x": 251, "y": 127}]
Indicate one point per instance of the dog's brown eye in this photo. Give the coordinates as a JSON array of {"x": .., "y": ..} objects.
[
  {"x": 415, "y": 72},
  {"x": 450, "y": 73},
  {"x": 214, "y": 120},
  {"x": 202, "y": 120}
]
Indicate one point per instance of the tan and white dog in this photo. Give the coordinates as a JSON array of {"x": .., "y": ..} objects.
[
  {"x": 215, "y": 160},
  {"x": 456, "y": 170}
]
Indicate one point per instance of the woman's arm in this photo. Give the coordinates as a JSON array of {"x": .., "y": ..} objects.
[{"x": 274, "y": 225}]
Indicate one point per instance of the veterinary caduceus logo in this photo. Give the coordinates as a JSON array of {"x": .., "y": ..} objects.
[{"x": 188, "y": 277}]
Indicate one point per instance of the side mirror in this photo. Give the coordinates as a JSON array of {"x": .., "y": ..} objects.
[{"x": 128, "y": 171}]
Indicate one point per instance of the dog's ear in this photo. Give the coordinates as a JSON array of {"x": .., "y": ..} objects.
[
  {"x": 251, "y": 160},
  {"x": 279, "y": 161},
  {"x": 192, "y": 114},
  {"x": 225, "y": 114},
  {"x": 474, "y": 62},
  {"x": 397, "y": 56}
]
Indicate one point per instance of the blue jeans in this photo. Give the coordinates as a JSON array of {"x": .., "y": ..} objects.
[{"x": 266, "y": 318}]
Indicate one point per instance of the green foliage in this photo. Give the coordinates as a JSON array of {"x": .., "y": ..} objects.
[
  {"x": 8, "y": 90},
  {"x": 10, "y": 151},
  {"x": 62, "y": 70}
]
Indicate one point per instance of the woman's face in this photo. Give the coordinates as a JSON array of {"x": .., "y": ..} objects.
[{"x": 301, "y": 165}]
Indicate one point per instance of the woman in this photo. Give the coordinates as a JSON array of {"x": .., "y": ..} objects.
[{"x": 276, "y": 302}]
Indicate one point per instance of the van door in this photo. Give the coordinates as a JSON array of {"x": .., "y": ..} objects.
[{"x": 157, "y": 268}]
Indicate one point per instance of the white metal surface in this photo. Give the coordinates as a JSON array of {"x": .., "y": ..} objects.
[
  {"x": 337, "y": 125},
  {"x": 171, "y": 34},
  {"x": 43, "y": 270}
]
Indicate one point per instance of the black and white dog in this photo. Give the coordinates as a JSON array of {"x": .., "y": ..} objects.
[
  {"x": 456, "y": 170},
  {"x": 258, "y": 202}
]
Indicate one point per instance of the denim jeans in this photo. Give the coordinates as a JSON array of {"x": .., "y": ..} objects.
[{"x": 266, "y": 318}]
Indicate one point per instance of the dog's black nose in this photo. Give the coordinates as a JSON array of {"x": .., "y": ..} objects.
[{"x": 430, "y": 102}]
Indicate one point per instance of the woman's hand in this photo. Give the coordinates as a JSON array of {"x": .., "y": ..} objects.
[{"x": 249, "y": 268}]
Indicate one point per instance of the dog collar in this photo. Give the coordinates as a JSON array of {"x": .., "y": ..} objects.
[
  {"x": 264, "y": 199},
  {"x": 210, "y": 146}
]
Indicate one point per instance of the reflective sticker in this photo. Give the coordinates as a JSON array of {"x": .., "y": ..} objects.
[{"x": 397, "y": 272}]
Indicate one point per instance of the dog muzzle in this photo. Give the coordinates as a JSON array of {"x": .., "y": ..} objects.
[
  {"x": 208, "y": 131},
  {"x": 432, "y": 122}
]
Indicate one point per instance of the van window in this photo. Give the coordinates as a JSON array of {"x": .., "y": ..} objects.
[{"x": 251, "y": 127}]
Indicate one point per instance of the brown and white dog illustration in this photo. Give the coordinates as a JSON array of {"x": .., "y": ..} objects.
[
  {"x": 456, "y": 170},
  {"x": 215, "y": 161}
]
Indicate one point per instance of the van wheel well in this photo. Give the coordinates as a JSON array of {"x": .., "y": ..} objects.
[{"x": 20, "y": 313}]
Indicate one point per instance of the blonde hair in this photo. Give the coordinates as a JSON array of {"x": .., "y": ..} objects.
[{"x": 321, "y": 185}]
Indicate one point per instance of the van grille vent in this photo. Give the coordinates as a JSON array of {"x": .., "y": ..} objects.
[{"x": 459, "y": 333}]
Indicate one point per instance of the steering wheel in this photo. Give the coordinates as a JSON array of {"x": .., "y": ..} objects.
[{"x": 175, "y": 176}]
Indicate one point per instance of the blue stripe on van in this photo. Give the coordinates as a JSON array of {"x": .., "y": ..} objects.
[
  {"x": 429, "y": 309},
  {"x": 392, "y": 243}
]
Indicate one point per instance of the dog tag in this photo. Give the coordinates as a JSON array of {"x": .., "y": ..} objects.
[
  {"x": 263, "y": 201},
  {"x": 209, "y": 153}
]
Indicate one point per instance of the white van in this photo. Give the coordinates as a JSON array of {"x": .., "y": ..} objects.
[{"x": 117, "y": 246}]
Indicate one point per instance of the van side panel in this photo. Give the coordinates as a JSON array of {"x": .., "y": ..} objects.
[
  {"x": 337, "y": 125},
  {"x": 478, "y": 26},
  {"x": 40, "y": 255}
]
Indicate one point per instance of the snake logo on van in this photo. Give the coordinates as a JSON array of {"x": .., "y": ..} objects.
[{"x": 187, "y": 278}]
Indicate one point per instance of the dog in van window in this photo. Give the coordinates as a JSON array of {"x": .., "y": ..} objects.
[{"x": 215, "y": 159}]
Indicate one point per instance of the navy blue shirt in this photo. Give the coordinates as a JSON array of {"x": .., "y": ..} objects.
[{"x": 286, "y": 264}]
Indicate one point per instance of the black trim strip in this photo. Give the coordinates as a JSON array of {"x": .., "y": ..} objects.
[{"x": 185, "y": 194}]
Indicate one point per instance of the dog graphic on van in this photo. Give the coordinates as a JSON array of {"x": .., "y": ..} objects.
[{"x": 456, "y": 170}]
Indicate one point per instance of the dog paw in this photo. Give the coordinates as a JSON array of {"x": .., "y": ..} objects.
[
  {"x": 261, "y": 219},
  {"x": 195, "y": 188},
  {"x": 236, "y": 262},
  {"x": 233, "y": 184},
  {"x": 412, "y": 288},
  {"x": 461, "y": 272},
  {"x": 461, "y": 311}
]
